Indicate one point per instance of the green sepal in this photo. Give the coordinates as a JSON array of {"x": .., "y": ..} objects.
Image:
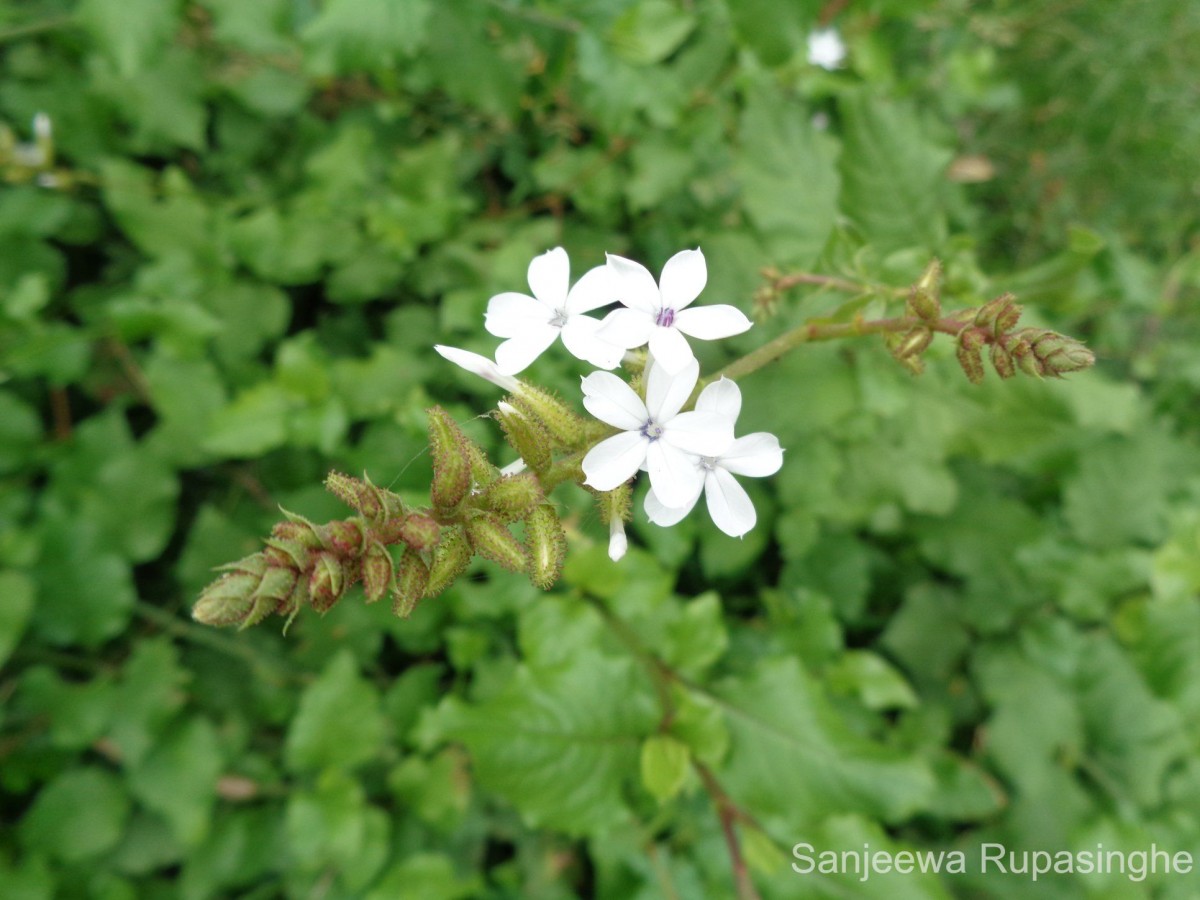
[
  {"x": 451, "y": 460},
  {"x": 512, "y": 496},
  {"x": 412, "y": 582},
  {"x": 491, "y": 539},
  {"x": 546, "y": 542},
  {"x": 450, "y": 558},
  {"x": 526, "y": 435},
  {"x": 378, "y": 572}
]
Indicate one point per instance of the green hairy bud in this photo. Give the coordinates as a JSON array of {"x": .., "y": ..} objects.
[
  {"x": 327, "y": 583},
  {"x": 546, "y": 543},
  {"x": 924, "y": 298},
  {"x": 449, "y": 560},
  {"x": 559, "y": 420},
  {"x": 377, "y": 572},
  {"x": 491, "y": 539},
  {"x": 451, "y": 460},
  {"x": 412, "y": 583},
  {"x": 970, "y": 356},
  {"x": 526, "y": 435},
  {"x": 512, "y": 496}
]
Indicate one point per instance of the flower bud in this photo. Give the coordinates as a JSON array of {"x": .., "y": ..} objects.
[
  {"x": 999, "y": 315},
  {"x": 970, "y": 357},
  {"x": 227, "y": 601},
  {"x": 924, "y": 298},
  {"x": 491, "y": 539},
  {"x": 449, "y": 560},
  {"x": 1058, "y": 354},
  {"x": 913, "y": 343},
  {"x": 344, "y": 538},
  {"x": 1002, "y": 361},
  {"x": 512, "y": 496},
  {"x": 297, "y": 529},
  {"x": 451, "y": 460},
  {"x": 377, "y": 571},
  {"x": 327, "y": 583},
  {"x": 561, "y": 422},
  {"x": 526, "y": 435},
  {"x": 419, "y": 531},
  {"x": 359, "y": 494},
  {"x": 547, "y": 545},
  {"x": 618, "y": 543},
  {"x": 271, "y": 595},
  {"x": 412, "y": 581}
]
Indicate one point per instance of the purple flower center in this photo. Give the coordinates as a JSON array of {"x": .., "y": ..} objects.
[
  {"x": 666, "y": 317},
  {"x": 652, "y": 430}
]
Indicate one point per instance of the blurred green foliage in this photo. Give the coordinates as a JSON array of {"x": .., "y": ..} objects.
[{"x": 967, "y": 613}]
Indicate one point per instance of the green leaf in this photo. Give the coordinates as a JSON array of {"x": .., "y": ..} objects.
[
  {"x": 650, "y": 31},
  {"x": 87, "y": 594},
  {"x": 869, "y": 677},
  {"x": 893, "y": 185},
  {"x": 794, "y": 761},
  {"x": 788, "y": 175},
  {"x": 351, "y": 35},
  {"x": 665, "y": 765},
  {"x": 148, "y": 696},
  {"x": 775, "y": 30},
  {"x": 338, "y": 723},
  {"x": 177, "y": 779},
  {"x": 253, "y": 423},
  {"x": 78, "y": 816},
  {"x": 425, "y": 876},
  {"x": 327, "y": 825},
  {"x": 559, "y": 742},
  {"x": 17, "y": 591},
  {"x": 1119, "y": 494},
  {"x": 132, "y": 33}
]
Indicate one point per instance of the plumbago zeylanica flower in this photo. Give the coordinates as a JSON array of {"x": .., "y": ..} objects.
[{"x": 648, "y": 423}]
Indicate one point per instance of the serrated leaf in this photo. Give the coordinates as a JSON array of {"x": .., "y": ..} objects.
[
  {"x": 78, "y": 816},
  {"x": 793, "y": 760},
  {"x": 339, "y": 723},
  {"x": 131, "y": 32},
  {"x": 559, "y": 742},
  {"x": 350, "y": 35},
  {"x": 177, "y": 779},
  {"x": 650, "y": 31},
  {"x": 788, "y": 174},
  {"x": 892, "y": 174}
]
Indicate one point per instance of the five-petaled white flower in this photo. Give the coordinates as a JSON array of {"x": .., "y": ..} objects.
[
  {"x": 755, "y": 455},
  {"x": 531, "y": 324},
  {"x": 658, "y": 314},
  {"x": 654, "y": 433}
]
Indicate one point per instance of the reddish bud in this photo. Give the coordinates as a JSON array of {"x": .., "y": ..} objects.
[
  {"x": 451, "y": 460},
  {"x": 377, "y": 571}
]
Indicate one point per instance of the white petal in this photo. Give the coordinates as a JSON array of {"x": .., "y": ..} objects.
[
  {"x": 614, "y": 460},
  {"x": 517, "y": 353},
  {"x": 618, "y": 543},
  {"x": 708, "y": 323},
  {"x": 666, "y": 393},
  {"x": 666, "y": 516},
  {"x": 598, "y": 287},
  {"x": 549, "y": 275},
  {"x": 757, "y": 455},
  {"x": 627, "y": 328},
  {"x": 728, "y": 503},
  {"x": 581, "y": 337},
  {"x": 723, "y": 397},
  {"x": 612, "y": 401},
  {"x": 510, "y": 315},
  {"x": 479, "y": 365},
  {"x": 670, "y": 349},
  {"x": 702, "y": 433},
  {"x": 683, "y": 278},
  {"x": 636, "y": 287},
  {"x": 674, "y": 475}
]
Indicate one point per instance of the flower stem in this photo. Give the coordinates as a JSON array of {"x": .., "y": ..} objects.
[{"x": 811, "y": 332}]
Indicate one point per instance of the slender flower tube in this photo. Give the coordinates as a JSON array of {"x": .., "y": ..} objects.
[{"x": 654, "y": 432}]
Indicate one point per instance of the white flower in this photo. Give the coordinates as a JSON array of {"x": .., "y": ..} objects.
[
  {"x": 755, "y": 455},
  {"x": 654, "y": 433},
  {"x": 658, "y": 313},
  {"x": 479, "y": 365},
  {"x": 826, "y": 48},
  {"x": 531, "y": 324}
]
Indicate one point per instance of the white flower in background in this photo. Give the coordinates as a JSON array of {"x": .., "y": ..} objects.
[
  {"x": 479, "y": 365},
  {"x": 654, "y": 433},
  {"x": 531, "y": 324},
  {"x": 755, "y": 455},
  {"x": 826, "y": 48},
  {"x": 658, "y": 314}
]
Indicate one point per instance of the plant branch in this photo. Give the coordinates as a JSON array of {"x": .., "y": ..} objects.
[{"x": 729, "y": 814}]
